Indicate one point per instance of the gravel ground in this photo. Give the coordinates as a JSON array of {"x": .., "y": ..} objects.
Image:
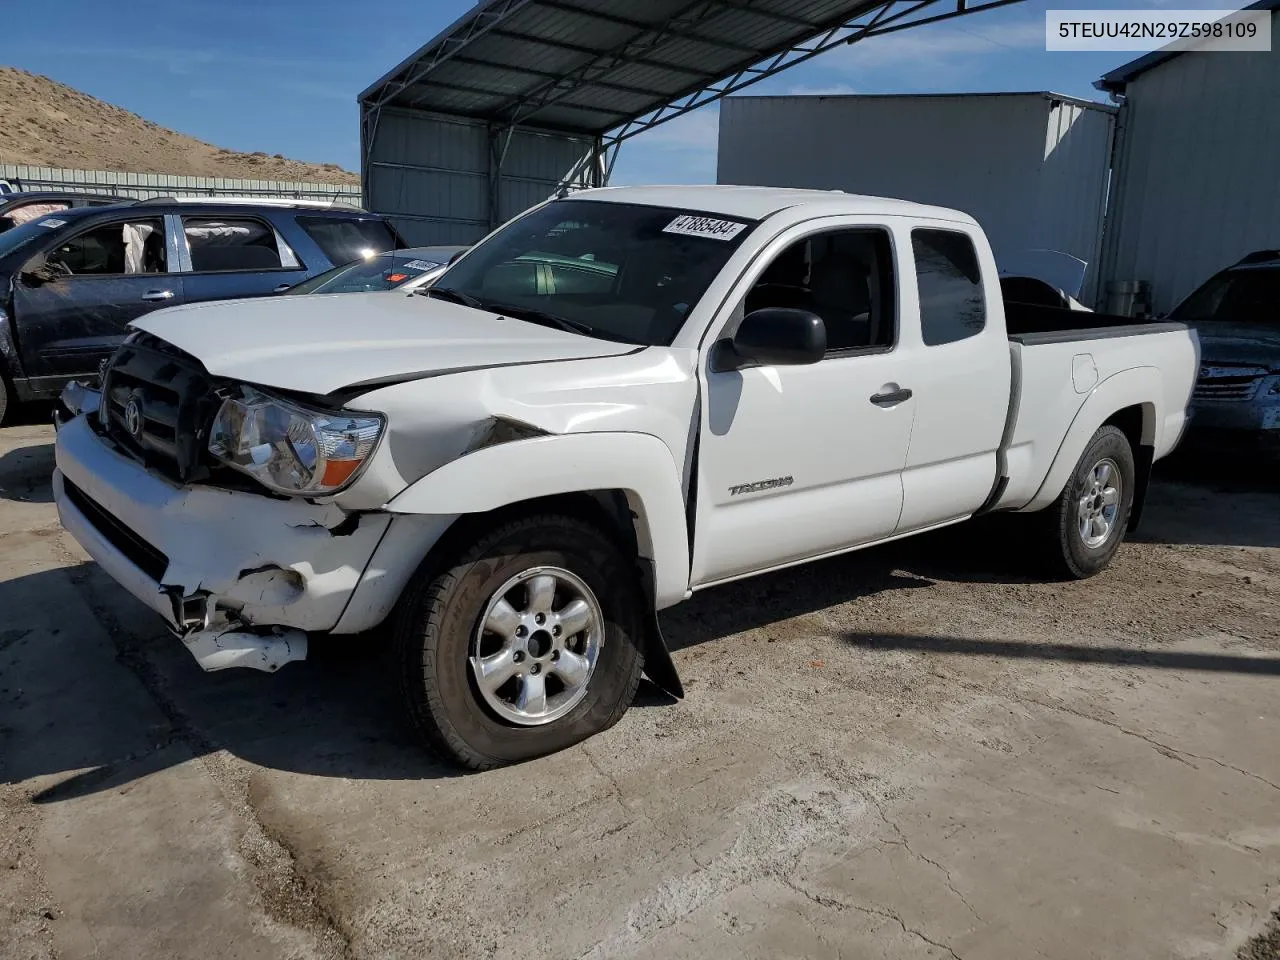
[{"x": 916, "y": 751}]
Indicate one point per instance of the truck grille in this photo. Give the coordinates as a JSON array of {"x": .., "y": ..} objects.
[
  {"x": 141, "y": 554},
  {"x": 157, "y": 403},
  {"x": 1240, "y": 388}
]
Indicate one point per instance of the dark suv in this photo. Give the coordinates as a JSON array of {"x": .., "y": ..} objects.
[
  {"x": 71, "y": 282},
  {"x": 1236, "y": 314}
]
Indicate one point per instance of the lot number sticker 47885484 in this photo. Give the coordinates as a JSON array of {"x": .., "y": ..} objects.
[{"x": 691, "y": 226}]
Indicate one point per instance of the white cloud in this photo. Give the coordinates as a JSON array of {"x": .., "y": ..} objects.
[
  {"x": 928, "y": 46},
  {"x": 829, "y": 90}
]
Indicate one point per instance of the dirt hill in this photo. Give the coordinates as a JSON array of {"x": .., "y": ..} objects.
[{"x": 49, "y": 124}]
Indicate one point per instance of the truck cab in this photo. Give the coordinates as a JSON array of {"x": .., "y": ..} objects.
[{"x": 617, "y": 399}]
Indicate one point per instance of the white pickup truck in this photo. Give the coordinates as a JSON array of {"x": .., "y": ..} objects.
[{"x": 616, "y": 399}]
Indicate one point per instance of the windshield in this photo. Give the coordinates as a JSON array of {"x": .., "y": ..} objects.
[
  {"x": 611, "y": 270},
  {"x": 385, "y": 272},
  {"x": 27, "y": 234},
  {"x": 1247, "y": 297}
]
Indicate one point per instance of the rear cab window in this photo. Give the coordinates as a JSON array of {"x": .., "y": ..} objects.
[
  {"x": 223, "y": 244},
  {"x": 953, "y": 303},
  {"x": 345, "y": 239}
]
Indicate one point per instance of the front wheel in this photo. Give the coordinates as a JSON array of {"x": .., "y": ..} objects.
[
  {"x": 526, "y": 644},
  {"x": 1086, "y": 524}
]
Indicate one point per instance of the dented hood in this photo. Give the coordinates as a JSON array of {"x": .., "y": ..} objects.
[{"x": 324, "y": 343}]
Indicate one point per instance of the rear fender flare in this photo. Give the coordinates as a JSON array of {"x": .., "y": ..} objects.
[{"x": 1136, "y": 387}]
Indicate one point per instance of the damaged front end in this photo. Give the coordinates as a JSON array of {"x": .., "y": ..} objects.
[
  {"x": 241, "y": 577},
  {"x": 217, "y": 639}
]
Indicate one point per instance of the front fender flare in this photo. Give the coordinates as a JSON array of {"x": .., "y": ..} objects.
[{"x": 639, "y": 465}]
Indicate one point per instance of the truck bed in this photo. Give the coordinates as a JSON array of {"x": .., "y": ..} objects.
[
  {"x": 1059, "y": 356},
  {"x": 1030, "y": 323}
]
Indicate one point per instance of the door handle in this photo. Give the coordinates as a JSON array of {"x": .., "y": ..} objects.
[
  {"x": 891, "y": 398},
  {"x": 154, "y": 295}
]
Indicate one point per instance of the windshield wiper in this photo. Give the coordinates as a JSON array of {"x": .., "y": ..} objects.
[
  {"x": 534, "y": 315},
  {"x": 453, "y": 296}
]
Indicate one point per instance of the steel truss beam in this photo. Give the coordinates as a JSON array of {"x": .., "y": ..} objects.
[{"x": 888, "y": 17}]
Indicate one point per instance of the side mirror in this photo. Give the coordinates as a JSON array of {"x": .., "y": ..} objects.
[{"x": 776, "y": 336}]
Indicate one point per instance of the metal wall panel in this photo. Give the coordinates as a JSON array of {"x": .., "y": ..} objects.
[
  {"x": 144, "y": 185},
  {"x": 431, "y": 173},
  {"x": 1031, "y": 168},
  {"x": 1196, "y": 184}
]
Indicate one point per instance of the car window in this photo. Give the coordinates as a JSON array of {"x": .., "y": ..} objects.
[
  {"x": 953, "y": 303},
  {"x": 618, "y": 271},
  {"x": 17, "y": 237},
  {"x": 226, "y": 243},
  {"x": 1250, "y": 296},
  {"x": 843, "y": 276},
  {"x": 345, "y": 239},
  {"x": 385, "y": 272},
  {"x": 30, "y": 211},
  {"x": 113, "y": 249}
]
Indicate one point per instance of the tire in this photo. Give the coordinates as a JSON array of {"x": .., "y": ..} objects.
[
  {"x": 438, "y": 638},
  {"x": 1074, "y": 546}
]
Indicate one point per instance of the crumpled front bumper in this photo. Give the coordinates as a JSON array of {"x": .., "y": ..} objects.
[{"x": 212, "y": 561}]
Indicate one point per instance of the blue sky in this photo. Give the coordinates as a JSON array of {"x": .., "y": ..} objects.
[{"x": 282, "y": 76}]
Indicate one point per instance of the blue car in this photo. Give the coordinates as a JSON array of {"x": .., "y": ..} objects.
[{"x": 71, "y": 282}]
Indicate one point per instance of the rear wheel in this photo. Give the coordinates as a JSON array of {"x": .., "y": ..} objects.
[
  {"x": 1086, "y": 524},
  {"x": 528, "y": 643}
]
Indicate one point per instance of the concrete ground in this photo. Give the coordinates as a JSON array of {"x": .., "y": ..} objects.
[{"x": 912, "y": 752}]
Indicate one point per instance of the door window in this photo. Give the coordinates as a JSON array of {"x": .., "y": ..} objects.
[
  {"x": 220, "y": 244},
  {"x": 843, "y": 276},
  {"x": 953, "y": 304},
  {"x": 113, "y": 249}
]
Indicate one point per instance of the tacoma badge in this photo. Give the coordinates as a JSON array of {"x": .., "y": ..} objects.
[{"x": 760, "y": 485}]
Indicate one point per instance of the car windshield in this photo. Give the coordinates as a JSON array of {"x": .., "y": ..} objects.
[
  {"x": 611, "y": 270},
  {"x": 384, "y": 272},
  {"x": 1248, "y": 296},
  {"x": 27, "y": 234}
]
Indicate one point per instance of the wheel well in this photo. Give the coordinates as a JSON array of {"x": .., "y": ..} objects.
[
  {"x": 1137, "y": 423},
  {"x": 609, "y": 510},
  {"x": 1132, "y": 422}
]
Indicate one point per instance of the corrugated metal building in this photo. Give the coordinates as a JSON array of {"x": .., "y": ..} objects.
[
  {"x": 1196, "y": 184},
  {"x": 435, "y": 174},
  {"x": 1031, "y": 167}
]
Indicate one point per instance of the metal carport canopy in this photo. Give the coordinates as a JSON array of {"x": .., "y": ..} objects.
[{"x": 606, "y": 70}]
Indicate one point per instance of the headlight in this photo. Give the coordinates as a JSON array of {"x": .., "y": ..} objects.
[{"x": 290, "y": 448}]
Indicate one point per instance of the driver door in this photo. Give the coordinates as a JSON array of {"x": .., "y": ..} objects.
[
  {"x": 800, "y": 461},
  {"x": 112, "y": 273}
]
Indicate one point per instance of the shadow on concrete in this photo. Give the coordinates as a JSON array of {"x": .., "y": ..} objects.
[
  {"x": 25, "y": 473},
  {"x": 1068, "y": 652}
]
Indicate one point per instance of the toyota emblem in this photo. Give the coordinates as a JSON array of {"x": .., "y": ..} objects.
[{"x": 133, "y": 417}]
